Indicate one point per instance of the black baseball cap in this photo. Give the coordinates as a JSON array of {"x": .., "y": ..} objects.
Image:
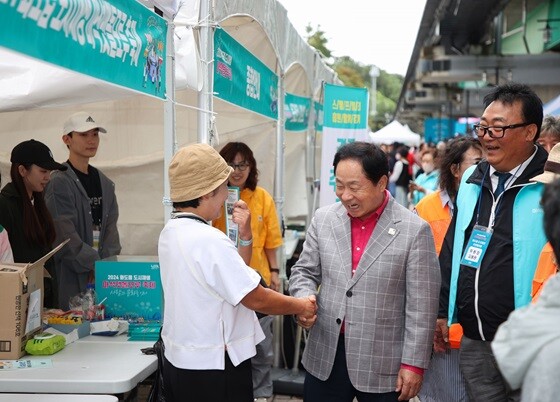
[{"x": 35, "y": 153}]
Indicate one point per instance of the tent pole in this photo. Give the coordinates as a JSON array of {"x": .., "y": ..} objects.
[
  {"x": 169, "y": 139},
  {"x": 315, "y": 180},
  {"x": 279, "y": 197},
  {"x": 310, "y": 139},
  {"x": 205, "y": 96}
]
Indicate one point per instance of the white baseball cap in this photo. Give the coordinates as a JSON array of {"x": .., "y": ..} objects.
[{"x": 81, "y": 122}]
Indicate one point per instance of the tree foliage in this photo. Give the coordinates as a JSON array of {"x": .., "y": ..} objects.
[
  {"x": 390, "y": 85},
  {"x": 317, "y": 40},
  {"x": 385, "y": 110},
  {"x": 355, "y": 74}
]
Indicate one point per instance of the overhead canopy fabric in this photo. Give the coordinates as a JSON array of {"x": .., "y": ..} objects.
[
  {"x": 395, "y": 132},
  {"x": 552, "y": 107},
  {"x": 131, "y": 153},
  {"x": 104, "y": 43}
]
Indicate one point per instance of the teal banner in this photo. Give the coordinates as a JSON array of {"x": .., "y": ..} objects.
[
  {"x": 319, "y": 116},
  {"x": 296, "y": 112},
  {"x": 345, "y": 121},
  {"x": 345, "y": 107},
  {"x": 118, "y": 41},
  {"x": 242, "y": 79},
  {"x": 439, "y": 129}
]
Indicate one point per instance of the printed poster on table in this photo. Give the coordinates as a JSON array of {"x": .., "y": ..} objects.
[
  {"x": 345, "y": 112},
  {"x": 129, "y": 287}
]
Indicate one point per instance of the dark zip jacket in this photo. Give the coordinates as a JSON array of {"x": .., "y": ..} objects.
[{"x": 495, "y": 280}]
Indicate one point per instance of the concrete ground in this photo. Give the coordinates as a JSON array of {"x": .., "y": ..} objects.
[
  {"x": 144, "y": 389},
  {"x": 284, "y": 380},
  {"x": 278, "y": 398}
]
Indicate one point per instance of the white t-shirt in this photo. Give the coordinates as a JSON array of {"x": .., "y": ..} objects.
[{"x": 204, "y": 279}]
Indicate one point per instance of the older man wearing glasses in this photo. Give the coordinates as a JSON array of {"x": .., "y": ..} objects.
[{"x": 493, "y": 243}]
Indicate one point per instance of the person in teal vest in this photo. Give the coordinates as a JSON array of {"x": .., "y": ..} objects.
[
  {"x": 494, "y": 240},
  {"x": 427, "y": 181}
]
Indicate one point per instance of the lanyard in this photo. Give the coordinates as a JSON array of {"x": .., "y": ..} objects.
[
  {"x": 480, "y": 194},
  {"x": 188, "y": 215},
  {"x": 495, "y": 205}
]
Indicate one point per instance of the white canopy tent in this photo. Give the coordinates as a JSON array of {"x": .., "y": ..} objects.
[
  {"x": 395, "y": 132},
  {"x": 552, "y": 107},
  {"x": 132, "y": 151}
]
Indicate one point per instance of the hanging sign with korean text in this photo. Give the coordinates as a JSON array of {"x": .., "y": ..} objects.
[{"x": 118, "y": 41}]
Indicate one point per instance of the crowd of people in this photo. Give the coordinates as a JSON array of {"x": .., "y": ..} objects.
[
  {"x": 414, "y": 171},
  {"x": 432, "y": 277},
  {"x": 402, "y": 284}
]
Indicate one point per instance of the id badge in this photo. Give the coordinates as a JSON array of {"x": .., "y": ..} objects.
[
  {"x": 477, "y": 246},
  {"x": 96, "y": 233}
]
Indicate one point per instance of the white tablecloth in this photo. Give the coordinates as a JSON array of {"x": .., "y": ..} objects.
[
  {"x": 56, "y": 398},
  {"x": 91, "y": 365}
]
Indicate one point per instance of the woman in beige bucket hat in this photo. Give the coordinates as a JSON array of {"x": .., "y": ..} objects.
[{"x": 210, "y": 329}]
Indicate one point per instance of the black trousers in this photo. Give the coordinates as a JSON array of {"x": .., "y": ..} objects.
[
  {"x": 233, "y": 384},
  {"x": 338, "y": 388}
]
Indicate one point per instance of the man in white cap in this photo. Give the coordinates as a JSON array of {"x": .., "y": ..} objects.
[
  {"x": 210, "y": 331},
  {"x": 84, "y": 208}
]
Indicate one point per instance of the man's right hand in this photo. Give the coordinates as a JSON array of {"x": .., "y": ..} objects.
[
  {"x": 441, "y": 336},
  {"x": 307, "y": 318}
]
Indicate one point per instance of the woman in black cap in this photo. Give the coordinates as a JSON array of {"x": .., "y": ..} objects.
[{"x": 23, "y": 211}]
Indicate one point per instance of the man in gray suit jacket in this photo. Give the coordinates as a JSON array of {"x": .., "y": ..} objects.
[{"x": 374, "y": 268}]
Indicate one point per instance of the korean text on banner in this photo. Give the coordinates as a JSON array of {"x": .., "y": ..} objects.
[
  {"x": 345, "y": 120},
  {"x": 318, "y": 116},
  {"x": 118, "y": 41},
  {"x": 296, "y": 111},
  {"x": 242, "y": 79}
]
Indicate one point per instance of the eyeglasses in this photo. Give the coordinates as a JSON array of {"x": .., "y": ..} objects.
[
  {"x": 494, "y": 131},
  {"x": 242, "y": 166}
]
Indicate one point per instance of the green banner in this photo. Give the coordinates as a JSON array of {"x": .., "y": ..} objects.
[
  {"x": 296, "y": 112},
  {"x": 345, "y": 121},
  {"x": 242, "y": 79},
  {"x": 345, "y": 107},
  {"x": 319, "y": 116},
  {"x": 119, "y": 41}
]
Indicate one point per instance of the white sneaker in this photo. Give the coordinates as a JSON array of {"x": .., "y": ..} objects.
[{"x": 263, "y": 399}]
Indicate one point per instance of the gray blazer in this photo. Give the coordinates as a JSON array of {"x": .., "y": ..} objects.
[
  {"x": 389, "y": 305},
  {"x": 69, "y": 206}
]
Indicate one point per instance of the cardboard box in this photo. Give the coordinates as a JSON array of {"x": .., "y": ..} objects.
[
  {"x": 21, "y": 304},
  {"x": 129, "y": 287}
]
